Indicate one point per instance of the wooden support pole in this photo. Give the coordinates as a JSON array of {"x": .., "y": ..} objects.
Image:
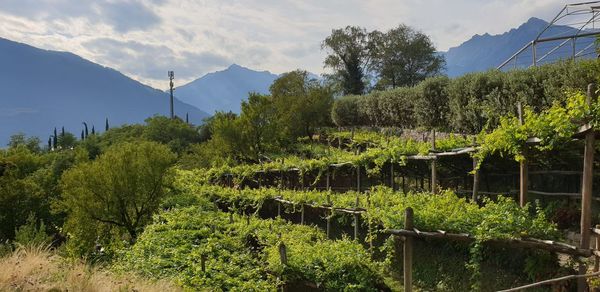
[
  {"x": 434, "y": 176},
  {"x": 278, "y": 209},
  {"x": 302, "y": 215},
  {"x": 327, "y": 182},
  {"x": 523, "y": 167},
  {"x": 358, "y": 178},
  {"x": 586, "y": 192},
  {"x": 329, "y": 224},
  {"x": 356, "y": 226},
  {"x": 370, "y": 229},
  {"x": 356, "y": 217},
  {"x": 403, "y": 185},
  {"x": 597, "y": 247},
  {"x": 283, "y": 253},
  {"x": 408, "y": 250},
  {"x": 392, "y": 183},
  {"x": 203, "y": 262},
  {"x": 475, "y": 181}
]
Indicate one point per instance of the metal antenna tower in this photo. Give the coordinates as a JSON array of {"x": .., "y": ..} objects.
[
  {"x": 551, "y": 44},
  {"x": 171, "y": 77}
]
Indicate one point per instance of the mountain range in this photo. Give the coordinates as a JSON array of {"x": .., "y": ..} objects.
[
  {"x": 43, "y": 89},
  {"x": 483, "y": 52},
  {"x": 224, "y": 90}
]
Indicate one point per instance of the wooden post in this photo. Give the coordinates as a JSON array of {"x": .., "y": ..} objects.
[
  {"x": 403, "y": 185},
  {"x": 475, "y": 196},
  {"x": 278, "y": 209},
  {"x": 283, "y": 253},
  {"x": 523, "y": 167},
  {"x": 392, "y": 183},
  {"x": 597, "y": 247},
  {"x": 370, "y": 229},
  {"x": 203, "y": 262},
  {"x": 586, "y": 191},
  {"x": 408, "y": 250},
  {"x": 358, "y": 178},
  {"x": 356, "y": 218},
  {"x": 327, "y": 182},
  {"x": 302, "y": 215},
  {"x": 356, "y": 226},
  {"x": 434, "y": 176},
  {"x": 329, "y": 224}
]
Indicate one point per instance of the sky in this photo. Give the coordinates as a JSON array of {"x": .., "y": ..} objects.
[{"x": 145, "y": 38}]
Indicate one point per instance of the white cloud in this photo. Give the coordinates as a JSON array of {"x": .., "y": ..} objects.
[{"x": 146, "y": 38}]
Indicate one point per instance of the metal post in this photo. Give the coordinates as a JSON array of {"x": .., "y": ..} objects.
[
  {"x": 171, "y": 77},
  {"x": 523, "y": 167},
  {"x": 533, "y": 52}
]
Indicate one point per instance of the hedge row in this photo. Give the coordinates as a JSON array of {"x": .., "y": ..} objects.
[{"x": 469, "y": 103}]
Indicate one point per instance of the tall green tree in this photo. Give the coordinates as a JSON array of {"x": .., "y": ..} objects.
[
  {"x": 348, "y": 56},
  {"x": 403, "y": 56},
  {"x": 121, "y": 189},
  {"x": 259, "y": 125},
  {"x": 20, "y": 140},
  {"x": 302, "y": 103}
]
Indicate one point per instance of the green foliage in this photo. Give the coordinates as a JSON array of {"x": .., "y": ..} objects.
[
  {"x": 119, "y": 190},
  {"x": 554, "y": 127},
  {"x": 20, "y": 140},
  {"x": 28, "y": 185},
  {"x": 302, "y": 104},
  {"x": 243, "y": 254},
  {"x": 32, "y": 233},
  {"x": 175, "y": 133},
  {"x": 431, "y": 108},
  {"x": 501, "y": 219},
  {"x": 475, "y": 101},
  {"x": 348, "y": 56},
  {"x": 403, "y": 56}
]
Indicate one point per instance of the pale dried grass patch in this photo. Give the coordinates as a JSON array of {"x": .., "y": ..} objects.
[{"x": 39, "y": 269}]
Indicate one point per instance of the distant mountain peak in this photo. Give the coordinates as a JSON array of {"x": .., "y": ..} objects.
[
  {"x": 225, "y": 90},
  {"x": 483, "y": 52},
  {"x": 37, "y": 97}
]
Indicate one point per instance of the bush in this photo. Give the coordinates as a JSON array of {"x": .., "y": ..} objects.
[{"x": 469, "y": 103}]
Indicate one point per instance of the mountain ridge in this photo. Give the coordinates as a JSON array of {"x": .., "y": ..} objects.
[
  {"x": 43, "y": 89},
  {"x": 484, "y": 52}
]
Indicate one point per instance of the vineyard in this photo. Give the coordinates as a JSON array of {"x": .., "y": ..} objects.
[{"x": 365, "y": 193}]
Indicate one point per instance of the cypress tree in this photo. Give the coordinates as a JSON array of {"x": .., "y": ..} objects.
[
  {"x": 54, "y": 132},
  {"x": 54, "y": 141},
  {"x": 82, "y": 137},
  {"x": 93, "y": 131},
  {"x": 62, "y": 132},
  {"x": 86, "y": 129},
  {"x": 106, "y": 125},
  {"x": 187, "y": 121},
  {"x": 49, "y": 143}
]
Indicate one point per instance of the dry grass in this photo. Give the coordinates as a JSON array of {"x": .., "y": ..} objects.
[{"x": 38, "y": 269}]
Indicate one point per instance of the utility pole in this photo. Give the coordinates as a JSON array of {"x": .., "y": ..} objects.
[{"x": 171, "y": 76}]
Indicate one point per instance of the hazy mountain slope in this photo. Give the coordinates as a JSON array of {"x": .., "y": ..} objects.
[
  {"x": 224, "y": 90},
  {"x": 44, "y": 89},
  {"x": 483, "y": 52}
]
